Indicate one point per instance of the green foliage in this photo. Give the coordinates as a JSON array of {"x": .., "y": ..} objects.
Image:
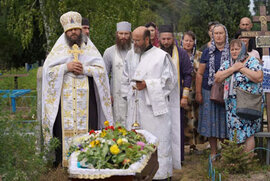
[
  {"x": 28, "y": 82},
  {"x": 234, "y": 159},
  {"x": 198, "y": 13},
  {"x": 21, "y": 156}
]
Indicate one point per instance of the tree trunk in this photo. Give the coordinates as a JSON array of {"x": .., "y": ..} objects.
[{"x": 47, "y": 28}]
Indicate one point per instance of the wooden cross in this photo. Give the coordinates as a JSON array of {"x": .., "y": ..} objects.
[
  {"x": 263, "y": 19},
  {"x": 265, "y": 35},
  {"x": 75, "y": 51}
]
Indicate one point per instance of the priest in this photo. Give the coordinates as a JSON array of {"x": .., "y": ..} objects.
[
  {"x": 75, "y": 87},
  {"x": 184, "y": 68},
  {"x": 149, "y": 83},
  {"x": 114, "y": 59}
]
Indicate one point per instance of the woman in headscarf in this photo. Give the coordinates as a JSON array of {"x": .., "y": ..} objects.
[
  {"x": 243, "y": 71},
  {"x": 191, "y": 117},
  {"x": 153, "y": 33},
  {"x": 212, "y": 121}
]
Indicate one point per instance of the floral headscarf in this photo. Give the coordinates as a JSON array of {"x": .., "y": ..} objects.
[
  {"x": 225, "y": 55},
  {"x": 229, "y": 82}
]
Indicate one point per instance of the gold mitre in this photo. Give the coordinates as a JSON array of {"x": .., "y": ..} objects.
[{"x": 71, "y": 20}]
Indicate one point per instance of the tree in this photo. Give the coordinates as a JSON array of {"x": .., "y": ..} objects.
[
  {"x": 35, "y": 25},
  {"x": 198, "y": 13},
  {"x": 257, "y": 4}
]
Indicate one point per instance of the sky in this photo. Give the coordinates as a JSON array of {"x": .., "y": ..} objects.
[{"x": 251, "y": 6}]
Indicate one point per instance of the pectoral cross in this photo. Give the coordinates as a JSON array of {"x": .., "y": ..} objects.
[
  {"x": 119, "y": 65},
  {"x": 75, "y": 51}
]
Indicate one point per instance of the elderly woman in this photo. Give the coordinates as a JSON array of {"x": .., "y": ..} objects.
[
  {"x": 192, "y": 110},
  {"x": 242, "y": 71},
  {"x": 212, "y": 121},
  {"x": 153, "y": 33}
]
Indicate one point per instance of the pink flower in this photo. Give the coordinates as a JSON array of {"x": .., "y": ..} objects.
[
  {"x": 226, "y": 87},
  {"x": 140, "y": 143}
]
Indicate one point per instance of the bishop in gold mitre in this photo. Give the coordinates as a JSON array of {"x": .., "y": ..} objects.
[{"x": 75, "y": 88}]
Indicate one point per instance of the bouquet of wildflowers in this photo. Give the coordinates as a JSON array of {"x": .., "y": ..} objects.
[{"x": 112, "y": 147}]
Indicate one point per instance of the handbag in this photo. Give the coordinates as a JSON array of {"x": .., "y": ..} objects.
[
  {"x": 248, "y": 105},
  {"x": 217, "y": 93}
]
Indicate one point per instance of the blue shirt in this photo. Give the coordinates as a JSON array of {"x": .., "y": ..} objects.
[{"x": 205, "y": 59}]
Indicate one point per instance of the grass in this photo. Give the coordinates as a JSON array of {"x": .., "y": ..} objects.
[{"x": 29, "y": 82}]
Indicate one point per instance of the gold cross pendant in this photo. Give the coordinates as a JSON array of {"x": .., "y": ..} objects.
[{"x": 75, "y": 51}]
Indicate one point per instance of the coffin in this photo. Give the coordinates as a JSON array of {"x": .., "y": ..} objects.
[{"x": 144, "y": 169}]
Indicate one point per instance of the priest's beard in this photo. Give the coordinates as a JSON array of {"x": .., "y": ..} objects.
[
  {"x": 124, "y": 44},
  {"x": 168, "y": 49},
  {"x": 139, "y": 49},
  {"x": 71, "y": 41}
]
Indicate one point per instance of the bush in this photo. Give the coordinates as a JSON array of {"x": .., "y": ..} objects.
[{"x": 21, "y": 154}]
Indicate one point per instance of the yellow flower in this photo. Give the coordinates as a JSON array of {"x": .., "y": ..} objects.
[
  {"x": 92, "y": 143},
  {"x": 114, "y": 149},
  {"x": 123, "y": 131},
  {"x": 106, "y": 123},
  {"x": 119, "y": 141},
  {"x": 103, "y": 134},
  {"x": 97, "y": 142}
]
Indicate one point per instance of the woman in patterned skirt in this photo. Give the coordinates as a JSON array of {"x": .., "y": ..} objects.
[{"x": 245, "y": 72}]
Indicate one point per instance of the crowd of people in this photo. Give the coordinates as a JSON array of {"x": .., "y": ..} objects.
[{"x": 150, "y": 78}]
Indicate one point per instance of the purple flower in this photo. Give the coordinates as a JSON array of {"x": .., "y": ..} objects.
[{"x": 140, "y": 143}]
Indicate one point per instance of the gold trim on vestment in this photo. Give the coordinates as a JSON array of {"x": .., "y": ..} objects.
[
  {"x": 175, "y": 56},
  {"x": 70, "y": 133}
]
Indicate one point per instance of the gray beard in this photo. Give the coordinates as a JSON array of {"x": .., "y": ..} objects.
[
  {"x": 140, "y": 50},
  {"x": 85, "y": 38}
]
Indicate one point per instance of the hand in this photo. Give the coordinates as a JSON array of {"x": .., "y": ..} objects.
[
  {"x": 184, "y": 103},
  {"x": 75, "y": 67},
  {"x": 199, "y": 98},
  {"x": 140, "y": 85},
  {"x": 237, "y": 66}
]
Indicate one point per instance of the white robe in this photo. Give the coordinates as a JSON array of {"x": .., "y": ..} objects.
[
  {"x": 158, "y": 104},
  {"x": 114, "y": 61},
  {"x": 74, "y": 91}
]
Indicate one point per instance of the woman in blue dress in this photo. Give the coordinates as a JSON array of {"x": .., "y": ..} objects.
[
  {"x": 245, "y": 72},
  {"x": 212, "y": 121}
]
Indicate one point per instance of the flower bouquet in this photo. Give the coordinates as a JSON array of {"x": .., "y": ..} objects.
[{"x": 111, "y": 151}]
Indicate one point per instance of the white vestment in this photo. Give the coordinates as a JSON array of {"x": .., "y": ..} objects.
[
  {"x": 158, "y": 104},
  {"x": 114, "y": 61},
  {"x": 73, "y": 91}
]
